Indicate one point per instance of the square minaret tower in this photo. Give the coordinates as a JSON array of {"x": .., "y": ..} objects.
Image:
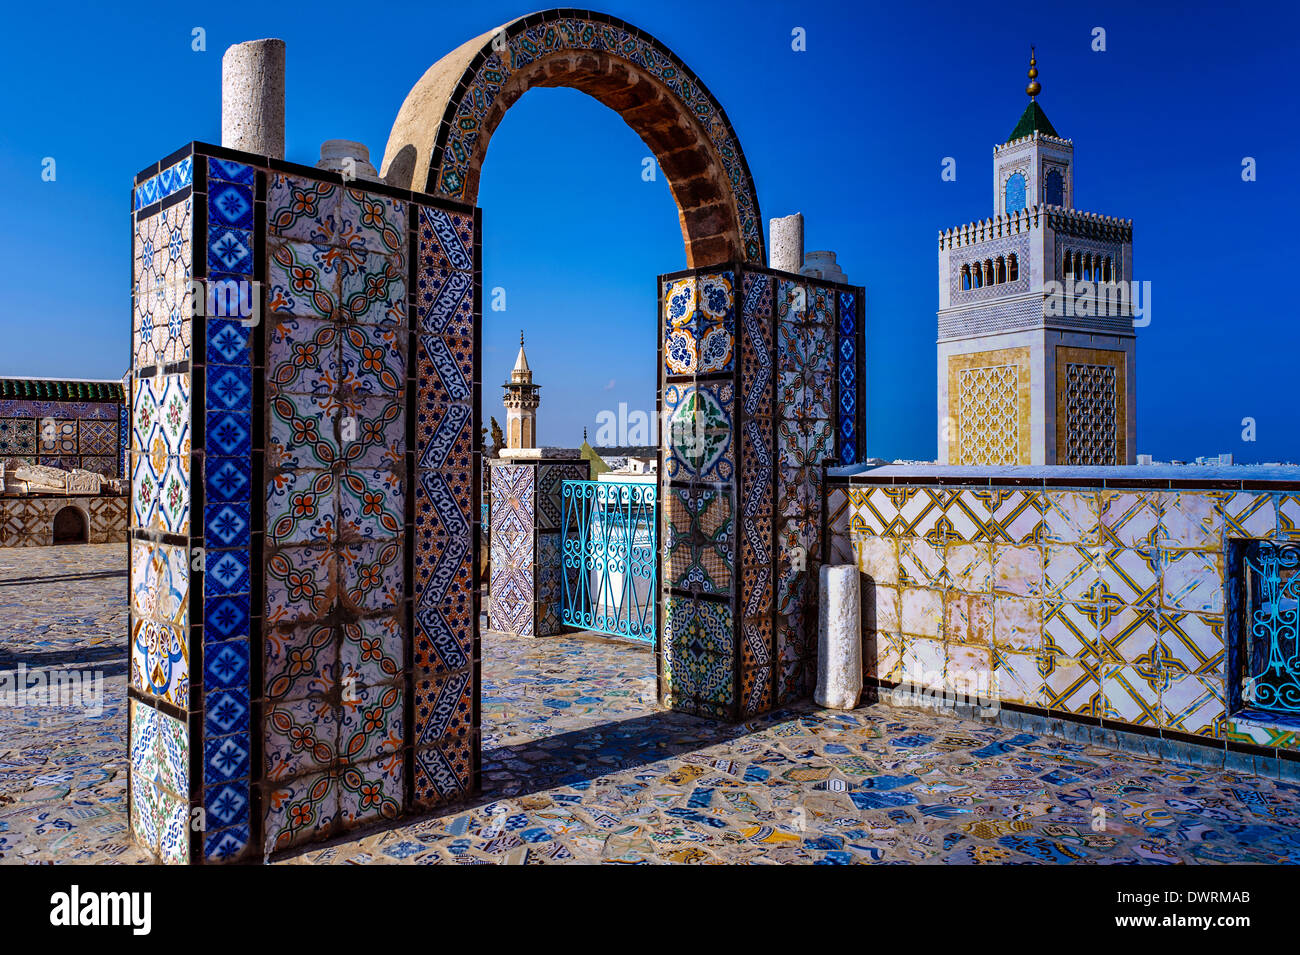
[{"x": 1036, "y": 344}]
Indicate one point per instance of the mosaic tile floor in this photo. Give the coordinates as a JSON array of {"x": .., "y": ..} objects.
[{"x": 580, "y": 767}]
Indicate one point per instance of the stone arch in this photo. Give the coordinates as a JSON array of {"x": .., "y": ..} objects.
[
  {"x": 440, "y": 137},
  {"x": 71, "y": 526}
]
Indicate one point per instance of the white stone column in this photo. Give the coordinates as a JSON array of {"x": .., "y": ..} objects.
[
  {"x": 839, "y": 647},
  {"x": 252, "y": 97},
  {"x": 786, "y": 243}
]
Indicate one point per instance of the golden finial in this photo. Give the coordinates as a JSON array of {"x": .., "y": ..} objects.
[
  {"x": 521, "y": 338},
  {"x": 1034, "y": 87}
]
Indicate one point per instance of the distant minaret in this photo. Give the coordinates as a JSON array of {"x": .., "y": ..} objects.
[
  {"x": 1021, "y": 379},
  {"x": 521, "y": 401}
]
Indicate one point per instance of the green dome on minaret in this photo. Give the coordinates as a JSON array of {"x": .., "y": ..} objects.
[{"x": 1033, "y": 119}]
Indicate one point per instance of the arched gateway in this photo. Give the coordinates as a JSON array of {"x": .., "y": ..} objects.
[
  {"x": 441, "y": 135},
  {"x": 304, "y": 588}
]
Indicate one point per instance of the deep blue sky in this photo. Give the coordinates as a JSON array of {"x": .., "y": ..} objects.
[{"x": 851, "y": 133}]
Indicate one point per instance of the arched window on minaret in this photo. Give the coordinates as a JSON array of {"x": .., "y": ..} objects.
[
  {"x": 979, "y": 275},
  {"x": 1105, "y": 270},
  {"x": 1078, "y": 266},
  {"x": 1013, "y": 268},
  {"x": 1002, "y": 270},
  {"x": 965, "y": 278},
  {"x": 1054, "y": 188},
  {"x": 988, "y": 272},
  {"x": 1014, "y": 194}
]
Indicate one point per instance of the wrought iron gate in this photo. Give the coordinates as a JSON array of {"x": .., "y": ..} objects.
[
  {"x": 1269, "y": 653},
  {"x": 608, "y": 557}
]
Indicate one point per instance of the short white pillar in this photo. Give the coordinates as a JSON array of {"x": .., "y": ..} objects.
[
  {"x": 786, "y": 243},
  {"x": 839, "y": 648},
  {"x": 252, "y": 97}
]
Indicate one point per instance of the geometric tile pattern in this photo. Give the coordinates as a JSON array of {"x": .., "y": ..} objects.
[
  {"x": 987, "y": 415},
  {"x": 700, "y": 403},
  {"x": 162, "y": 272},
  {"x": 63, "y": 434},
  {"x": 445, "y": 468},
  {"x": 527, "y": 543},
  {"x": 1103, "y": 603},
  {"x": 445, "y": 465},
  {"x": 513, "y": 587},
  {"x": 167, "y": 677},
  {"x": 760, "y": 385},
  {"x": 808, "y": 428},
  {"x": 332, "y": 517},
  {"x": 336, "y": 342},
  {"x": 1090, "y": 399},
  {"x": 848, "y": 360},
  {"x": 755, "y": 498},
  {"x": 227, "y": 519}
]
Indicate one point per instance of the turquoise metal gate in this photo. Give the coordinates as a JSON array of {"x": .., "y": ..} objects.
[{"x": 608, "y": 558}]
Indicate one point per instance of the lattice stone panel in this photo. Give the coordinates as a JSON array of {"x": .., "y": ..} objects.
[
  {"x": 1091, "y": 397},
  {"x": 988, "y": 415}
]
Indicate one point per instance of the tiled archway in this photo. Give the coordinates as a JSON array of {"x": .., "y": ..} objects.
[
  {"x": 305, "y": 500},
  {"x": 440, "y": 138}
]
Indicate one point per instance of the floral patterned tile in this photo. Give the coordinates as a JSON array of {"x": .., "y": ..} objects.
[
  {"x": 300, "y": 736},
  {"x": 372, "y": 650},
  {"x": 373, "y": 359},
  {"x": 303, "y": 431},
  {"x": 303, "y": 357},
  {"x": 302, "y": 279},
  {"x": 371, "y": 576},
  {"x": 372, "y": 289},
  {"x": 301, "y": 507},
  {"x": 371, "y": 504},
  {"x": 301, "y": 661},
  {"x": 301, "y": 584}
]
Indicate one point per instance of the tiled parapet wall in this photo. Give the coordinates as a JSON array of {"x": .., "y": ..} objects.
[
  {"x": 63, "y": 433},
  {"x": 526, "y": 589},
  {"x": 1101, "y": 593},
  {"x": 304, "y": 513},
  {"x": 761, "y": 387}
]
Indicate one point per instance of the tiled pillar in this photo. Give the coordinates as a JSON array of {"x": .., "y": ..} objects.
[
  {"x": 699, "y": 367},
  {"x": 526, "y": 543},
  {"x": 304, "y": 506},
  {"x": 761, "y": 387}
]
